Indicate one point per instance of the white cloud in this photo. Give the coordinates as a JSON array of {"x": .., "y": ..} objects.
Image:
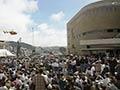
[
  {"x": 57, "y": 16},
  {"x": 49, "y": 36},
  {"x": 13, "y": 16},
  {"x": 43, "y": 26},
  {"x": 32, "y": 6}
]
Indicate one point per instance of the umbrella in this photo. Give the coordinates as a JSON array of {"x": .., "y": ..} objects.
[{"x": 5, "y": 53}]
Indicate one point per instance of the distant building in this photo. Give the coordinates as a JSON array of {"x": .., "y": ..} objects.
[{"x": 95, "y": 28}]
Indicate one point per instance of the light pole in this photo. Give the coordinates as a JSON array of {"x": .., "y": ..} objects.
[{"x": 33, "y": 51}]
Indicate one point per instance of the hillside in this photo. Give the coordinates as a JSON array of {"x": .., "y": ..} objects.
[{"x": 27, "y": 49}]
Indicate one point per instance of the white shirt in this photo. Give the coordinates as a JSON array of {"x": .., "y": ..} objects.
[
  {"x": 106, "y": 81},
  {"x": 2, "y": 75},
  {"x": 46, "y": 78},
  {"x": 92, "y": 70},
  {"x": 55, "y": 64}
]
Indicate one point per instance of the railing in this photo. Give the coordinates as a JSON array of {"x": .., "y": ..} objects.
[{"x": 100, "y": 41}]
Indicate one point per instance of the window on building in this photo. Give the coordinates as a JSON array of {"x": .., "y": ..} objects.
[
  {"x": 118, "y": 30},
  {"x": 83, "y": 33},
  {"x": 88, "y": 46},
  {"x": 110, "y": 30}
]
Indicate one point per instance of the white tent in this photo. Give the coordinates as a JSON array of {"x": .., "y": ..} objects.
[{"x": 5, "y": 53}]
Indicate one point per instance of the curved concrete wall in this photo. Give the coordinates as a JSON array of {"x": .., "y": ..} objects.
[{"x": 93, "y": 22}]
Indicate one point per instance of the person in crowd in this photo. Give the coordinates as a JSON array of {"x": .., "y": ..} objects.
[
  {"x": 39, "y": 81},
  {"x": 51, "y": 72}
]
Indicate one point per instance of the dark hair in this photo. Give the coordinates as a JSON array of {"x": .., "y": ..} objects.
[{"x": 40, "y": 71}]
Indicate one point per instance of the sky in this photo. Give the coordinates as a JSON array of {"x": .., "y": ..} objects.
[{"x": 38, "y": 22}]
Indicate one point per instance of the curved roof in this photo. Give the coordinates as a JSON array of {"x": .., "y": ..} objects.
[
  {"x": 94, "y": 5},
  {"x": 101, "y": 3}
]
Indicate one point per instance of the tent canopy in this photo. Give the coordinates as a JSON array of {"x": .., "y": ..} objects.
[{"x": 5, "y": 53}]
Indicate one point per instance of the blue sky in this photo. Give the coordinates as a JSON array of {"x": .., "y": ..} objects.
[
  {"x": 49, "y": 7},
  {"x": 38, "y": 22}
]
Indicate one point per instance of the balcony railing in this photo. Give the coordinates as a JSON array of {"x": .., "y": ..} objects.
[{"x": 100, "y": 41}]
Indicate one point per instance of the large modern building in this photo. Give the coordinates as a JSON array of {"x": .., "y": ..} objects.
[{"x": 95, "y": 28}]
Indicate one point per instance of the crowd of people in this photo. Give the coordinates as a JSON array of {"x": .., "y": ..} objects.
[{"x": 51, "y": 72}]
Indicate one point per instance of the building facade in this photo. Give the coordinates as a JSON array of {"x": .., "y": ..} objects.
[{"x": 95, "y": 28}]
